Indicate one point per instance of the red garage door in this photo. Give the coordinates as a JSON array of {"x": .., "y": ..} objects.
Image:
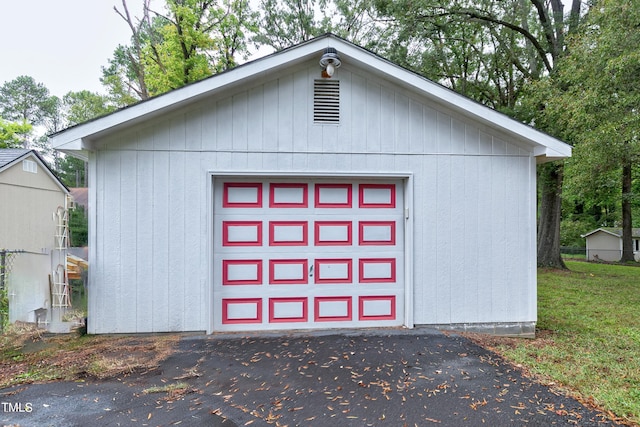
[{"x": 300, "y": 254}]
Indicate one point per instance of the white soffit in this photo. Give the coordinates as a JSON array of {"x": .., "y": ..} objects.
[{"x": 79, "y": 137}]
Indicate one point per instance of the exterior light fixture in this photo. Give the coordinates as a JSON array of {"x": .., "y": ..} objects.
[{"x": 329, "y": 61}]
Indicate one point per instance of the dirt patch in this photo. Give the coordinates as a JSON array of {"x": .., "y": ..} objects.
[
  {"x": 29, "y": 356},
  {"x": 495, "y": 343}
]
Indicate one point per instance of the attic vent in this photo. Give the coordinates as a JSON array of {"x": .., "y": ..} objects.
[
  {"x": 29, "y": 166},
  {"x": 326, "y": 101}
]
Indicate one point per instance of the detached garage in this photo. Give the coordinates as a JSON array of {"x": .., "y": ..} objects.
[{"x": 318, "y": 187}]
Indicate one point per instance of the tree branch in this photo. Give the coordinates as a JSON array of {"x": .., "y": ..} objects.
[{"x": 472, "y": 14}]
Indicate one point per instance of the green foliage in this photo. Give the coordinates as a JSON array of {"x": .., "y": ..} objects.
[
  {"x": 600, "y": 89},
  {"x": 482, "y": 49},
  {"x": 181, "y": 56},
  {"x": 287, "y": 23},
  {"x": 82, "y": 106},
  {"x": 79, "y": 227},
  {"x": 27, "y": 104},
  {"x": 120, "y": 78},
  {"x": 71, "y": 171},
  {"x": 14, "y": 135},
  {"x": 4, "y": 307},
  {"x": 25, "y": 100},
  {"x": 589, "y": 337},
  {"x": 592, "y": 100},
  {"x": 190, "y": 40},
  {"x": 79, "y": 107},
  {"x": 571, "y": 230}
]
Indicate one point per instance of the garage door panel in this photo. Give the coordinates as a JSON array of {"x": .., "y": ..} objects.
[
  {"x": 333, "y": 271},
  {"x": 241, "y": 310},
  {"x": 288, "y": 195},
  {"x": 377, "y": 233},
  {"x": 289, "y": 309},
  {"x": 242, "y": 195},
  {"x": 288, "y": 271},
  {"x": 377, "y": 270},
  {"x": 333, "y": 309},
  {"x": 241, "y": 233},
  {"x": 241, "y": 272},
  {"x": 377, "y": 196},
  {"x": 377, "y": 307},
  {"x": 330, "y": 196},
  {"x": 305, "y": 254},
  {"x": 333, "y": 233},
  {"x": 288, "y": 233}
]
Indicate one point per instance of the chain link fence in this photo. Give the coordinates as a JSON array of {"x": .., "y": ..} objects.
[
  {"x": 595, "y": 254},
  {"x": 573, "y": 252},
  {"x": 7, "y": 258}
]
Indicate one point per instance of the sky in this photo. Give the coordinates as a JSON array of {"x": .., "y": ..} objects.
[{"x": 61, "y": 43}]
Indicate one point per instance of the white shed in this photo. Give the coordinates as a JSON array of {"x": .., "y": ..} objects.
[
  {"x": 605, "y": 244},
  {"x": 275, "y": 197}
]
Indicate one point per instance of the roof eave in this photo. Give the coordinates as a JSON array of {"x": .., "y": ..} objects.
[
  {"x": 546, "y": 147},
  {"x": 600, "y": 230},
  {"x": 43, "y": 165},
  {"x": 547, "y": 154},
  {"x": 80, "y": 136}
]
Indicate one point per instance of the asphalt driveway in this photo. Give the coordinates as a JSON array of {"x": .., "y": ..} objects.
[{"x": 366, "y": 378}]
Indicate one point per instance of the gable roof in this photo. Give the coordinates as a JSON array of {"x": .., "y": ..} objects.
[
  {"x": 10, "y": 156},
  {"x": 614, "y": 231},
  {"x": 78, "y": 140}
]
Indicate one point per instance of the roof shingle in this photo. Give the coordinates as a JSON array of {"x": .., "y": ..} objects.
[{"x": 8, "y": 155}]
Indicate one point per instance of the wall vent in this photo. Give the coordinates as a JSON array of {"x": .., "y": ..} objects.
[{"x": 326, "y": 101}]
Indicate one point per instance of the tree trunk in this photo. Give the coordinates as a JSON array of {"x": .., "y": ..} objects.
[
  {"x": 550, "y": 178},
  {"x": 627, "y": 238}
]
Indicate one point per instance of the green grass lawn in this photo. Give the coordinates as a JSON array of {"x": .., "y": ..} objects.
[{"x": 589, "y": 335}]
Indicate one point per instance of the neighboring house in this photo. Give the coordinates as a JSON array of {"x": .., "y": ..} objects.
[
  {"x": 605, "y": 244},
  {"x": 80, "y": 197},
  {"x": 274, "y": 197},
  {"x": 31, "y": 200}
]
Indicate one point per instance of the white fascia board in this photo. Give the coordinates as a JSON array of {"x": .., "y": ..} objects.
[
  {"x": 545, "y": 145},
  {"x": 78, "y": 137},
  {"x": 601, "y": 230},
  {"x": 77, "y": 148},
  {"x": 544, "y": 154}
]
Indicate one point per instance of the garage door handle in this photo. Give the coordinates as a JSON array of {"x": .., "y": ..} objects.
[{"x": 311, "y": 271}]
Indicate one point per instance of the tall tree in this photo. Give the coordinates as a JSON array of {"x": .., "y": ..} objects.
[
  {"x": 84, "y": 105},
  {"x": 24, "y": 100},
  {"x": 78, "y": 107},
  {"x": 185, "y": 42},
  {"x": 598, "y": 93},
  {"x": 530, "y": 36},
  {"x": 483, "y": 61},
  {"x": 289, "y": 22}
]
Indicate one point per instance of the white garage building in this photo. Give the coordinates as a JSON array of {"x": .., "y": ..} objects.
[{"x": 276, "y": 197}]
